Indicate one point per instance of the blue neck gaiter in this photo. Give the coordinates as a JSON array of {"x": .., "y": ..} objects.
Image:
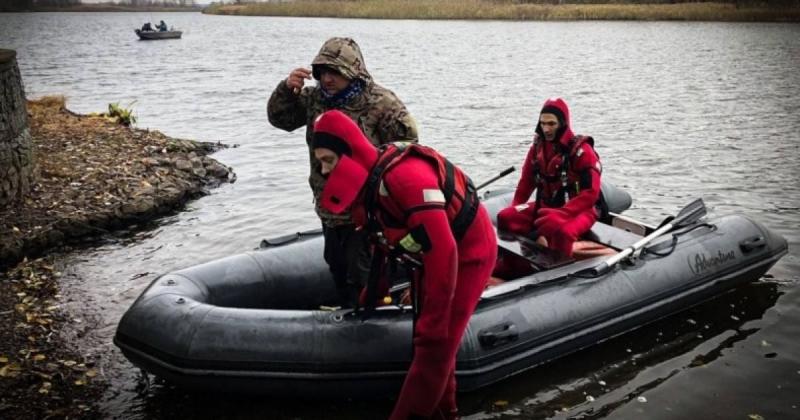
[{"x": 344, "y": 96}]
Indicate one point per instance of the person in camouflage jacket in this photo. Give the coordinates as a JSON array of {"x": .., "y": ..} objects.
[{"x": 344, "y": 84}]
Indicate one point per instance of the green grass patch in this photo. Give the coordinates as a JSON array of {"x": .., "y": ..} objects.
[{"x": 122, "y": 115}]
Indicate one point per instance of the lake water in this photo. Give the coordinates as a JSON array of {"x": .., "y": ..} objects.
[{"x": 678, "y": 111}]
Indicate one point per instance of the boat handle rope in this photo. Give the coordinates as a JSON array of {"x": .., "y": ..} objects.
[
  {"x": 674, "y": 242},
  {"x": 687, "y": 217},
  {"x": 589, "y": 274}
]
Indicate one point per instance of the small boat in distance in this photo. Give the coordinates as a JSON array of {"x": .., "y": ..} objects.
[{"x": 148, "y": 35}]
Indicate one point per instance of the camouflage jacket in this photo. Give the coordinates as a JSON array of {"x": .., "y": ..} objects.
[{"x": 381, "y": 115}]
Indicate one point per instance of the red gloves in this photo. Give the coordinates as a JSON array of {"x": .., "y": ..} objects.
[
  {"x": 549, "y": 220},
  {"x": 516, "y": 219}
]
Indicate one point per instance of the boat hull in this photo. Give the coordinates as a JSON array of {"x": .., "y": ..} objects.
[
  {"x": 155, "y": 35},
  {"x": 205, "y": 327}
]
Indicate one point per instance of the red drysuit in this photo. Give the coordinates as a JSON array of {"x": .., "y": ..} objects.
[
  {"x": 412, "y": 211},
  {"x": 565, "y": 173}
]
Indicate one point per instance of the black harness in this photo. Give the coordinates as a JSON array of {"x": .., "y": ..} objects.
[
  {"x": 382, "y": 252},
  {"x": 460, "y": 223}
]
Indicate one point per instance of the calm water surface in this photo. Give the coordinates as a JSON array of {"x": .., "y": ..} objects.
[{"x": 678, "y": 111}]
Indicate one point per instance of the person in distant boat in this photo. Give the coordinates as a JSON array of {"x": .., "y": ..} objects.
[
  {"x": 344, "y": 84},
  {"x": 564, "y": 169},
  {"x": 147, "y": 27},
  {"x": 419, "y": 203},
  {"x": 162, "y": 27}
]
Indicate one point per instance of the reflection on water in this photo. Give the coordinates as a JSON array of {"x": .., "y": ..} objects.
[
  {"x": 678, "y": 111},
  {"x": 610, "y": 374}
]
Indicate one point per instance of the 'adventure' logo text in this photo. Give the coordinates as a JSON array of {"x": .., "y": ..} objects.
[{"x": 701, "y": 263}]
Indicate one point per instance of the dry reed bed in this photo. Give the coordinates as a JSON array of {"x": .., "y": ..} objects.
[{"x": 505, "y": 10}]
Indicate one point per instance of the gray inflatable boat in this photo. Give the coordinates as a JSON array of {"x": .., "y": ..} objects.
[{"x": 253, "y": 322}]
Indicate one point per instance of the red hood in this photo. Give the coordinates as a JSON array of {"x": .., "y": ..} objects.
[
  {"x": 558, "y": 107},
  {"x": 336, "y": 131}
]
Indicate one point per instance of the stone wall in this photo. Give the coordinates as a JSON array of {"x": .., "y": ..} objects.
[{"x": 16, "y": 152}]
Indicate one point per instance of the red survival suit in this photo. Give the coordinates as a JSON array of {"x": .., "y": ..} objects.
[
  {"x": 565, "y": 173},
  {"x": 411, "y": 187}
]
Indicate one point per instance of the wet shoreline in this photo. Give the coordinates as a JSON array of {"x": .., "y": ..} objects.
[{"x": 93, "y": 176}]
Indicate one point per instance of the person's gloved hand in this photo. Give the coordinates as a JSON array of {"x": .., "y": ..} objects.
[
  {"x": 549, "y": 220},
  {"x": 553, "y": 212},
  {"x": 516, "y": 219}
]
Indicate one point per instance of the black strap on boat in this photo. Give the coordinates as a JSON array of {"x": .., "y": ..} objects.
[{"x": 655, "y": 250}]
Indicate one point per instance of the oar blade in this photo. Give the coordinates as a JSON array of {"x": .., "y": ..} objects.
[{"x": 691, "y": 213}]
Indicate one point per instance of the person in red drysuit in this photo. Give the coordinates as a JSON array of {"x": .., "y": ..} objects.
[
  {"x": 422, "y": 203},
  {"x": 565, "y": 172}
]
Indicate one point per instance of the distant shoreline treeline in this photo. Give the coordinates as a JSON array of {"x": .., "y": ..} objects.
[
  {"x": 108, "y": 6},
  {"x": 730, "y": 11}
]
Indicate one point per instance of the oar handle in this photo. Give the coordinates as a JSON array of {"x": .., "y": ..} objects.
[
  {"x": 506, "y": 171},
  {"x": 496, "y": 177}
]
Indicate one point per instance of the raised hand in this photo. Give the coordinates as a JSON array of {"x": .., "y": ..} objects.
[{"x": 296, "y": 79}]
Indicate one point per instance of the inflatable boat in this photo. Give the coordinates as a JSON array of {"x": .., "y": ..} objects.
[{"x": 261, "y": 321}]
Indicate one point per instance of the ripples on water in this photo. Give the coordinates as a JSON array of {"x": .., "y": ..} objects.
[{"x": 678, "y": 110}]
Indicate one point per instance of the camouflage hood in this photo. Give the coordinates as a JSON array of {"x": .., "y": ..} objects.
[{"x": 344, "y": 55}]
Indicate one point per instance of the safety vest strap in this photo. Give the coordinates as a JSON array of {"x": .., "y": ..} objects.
[
  {"x": 568, "y": 152},
  {"x": 386, "y": 156},
  {"x": 390, "y": 154},
  {"x": 466, "y": 215}
]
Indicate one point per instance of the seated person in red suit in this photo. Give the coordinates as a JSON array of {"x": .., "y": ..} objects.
[{"x": 564, "y": 170}]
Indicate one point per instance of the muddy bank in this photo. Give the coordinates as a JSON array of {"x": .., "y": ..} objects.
[{"x": 92, "y": 175}]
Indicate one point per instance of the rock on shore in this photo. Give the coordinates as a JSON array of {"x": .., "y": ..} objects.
[{"x": 93, "y": 175}]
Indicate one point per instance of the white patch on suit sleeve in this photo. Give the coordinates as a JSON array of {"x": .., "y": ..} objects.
[{"x": 432, "y": 196}]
